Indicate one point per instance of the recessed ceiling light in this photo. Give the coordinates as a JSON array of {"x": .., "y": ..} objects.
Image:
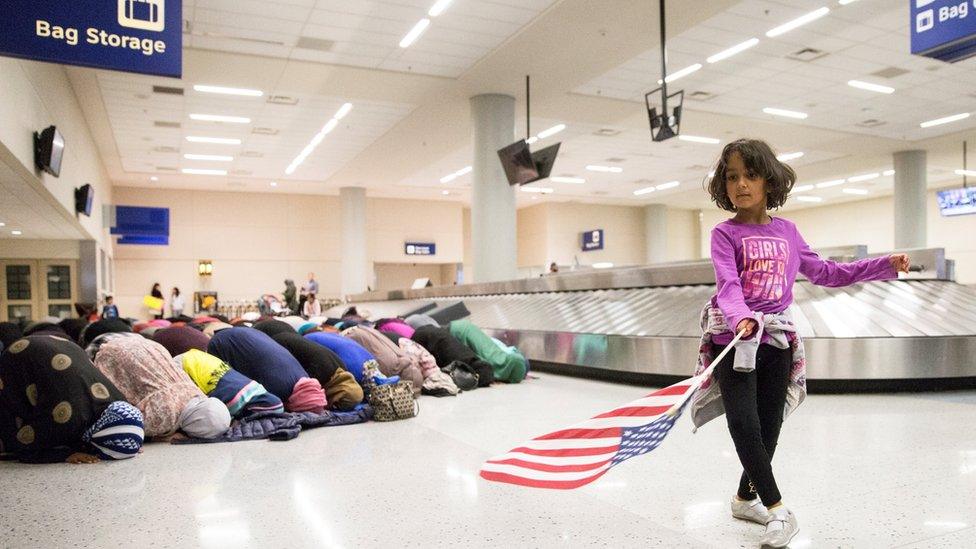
[
  {"x": 563, "y": 179},
  {"x": 945, "y": 120},
  {"x": 831, "y": 183},
  {"x": 2, "y": 224},
  {"x": 668, "y": 185},
  {"x": 539, "y": 190},
  {"x": 220, "y": 118},
  {"x": 887, "y": 173},
  {"x": 214, "y": 140},
  {"x": 552, "y": 131},
  {"x": 212, "y": 157},
  {"x": 645, "y": 190},
  {"x": 228, "y": 91},
  {"x": 415, "y": 33},
  {"x": 603, "y": 265},
  {"x": 856, "y": 191},
  {"x": 802, "y": 189},
  {"x": 682, "y": 73},
  {"x": 274, "y": 183},
  {"x": 809, "y": 199},
  {"x": 195, "y": 171},
  {"x": 870, "y": 87},
  {"x": 604, "y": 169},
  {"x": 154, "y": 178},
  {"x": 798, "y": 22},
  {"x": 845, "y": 2},
  {"x": 445, "y": 193},
  {"x": 738, "y": 48},
  {"x": 697, "y": 139},
  {"x": 317, "y": 139},
  {"x": 968, "y": 173},
  {"x": 787, "y": 113},
  {"x": 438, "y": 7},
  {"x": 16, "y": 233},
  {"x": 865, "y": 177},
  {"x": 786, "y": 157}
]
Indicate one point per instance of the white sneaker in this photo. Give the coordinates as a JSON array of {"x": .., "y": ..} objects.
[
  {"x": 780, "y": 529},
  {"x": 753, "y": 511}
]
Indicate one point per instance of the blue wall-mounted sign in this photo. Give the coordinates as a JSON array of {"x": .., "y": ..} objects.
[
  {"x": 419, "y": 248},
  {"x": 138, "y": 225},
  {"x": 944, "y": 29},
  {"x": 592, "y": 240},
  {"x": 144, "y": 36}
]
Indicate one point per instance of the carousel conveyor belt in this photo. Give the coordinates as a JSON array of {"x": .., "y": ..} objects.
[{"x": 914, "y": 333}]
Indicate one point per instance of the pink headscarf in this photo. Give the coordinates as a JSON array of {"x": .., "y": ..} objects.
[{"x": 307, "y": 396}]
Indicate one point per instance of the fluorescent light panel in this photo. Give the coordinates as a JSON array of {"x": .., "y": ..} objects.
[
  {"x": 887, "y": 173},
  {"x": 832, "y": 183},
  {"x": 220, "y": 118},
  {"x": 682, "y": 73},
  {"x": 604, "y": 169},
  {"x": 845, "y": 2},
  {"x": 784, "y": 112},
  {"x": 228, "y": 91},
  {"x": 552, "y": 131},
  {"x": 668, "y": 185},
  {"x": 945, "y": 120},
  {"x": 531, "y": 140},
  {"x": 317, "y": 139},
  {"x": 738, "y": 48},
  {"x": 798, "y": 22},
  {"x": 802, "y": 189},
  {"x": 213, "y": 140},
  {"x": 563, "y": 179},
  {"x": 415, "y": 33},
  {"x": 438, "y": 7},
  {"x": 195, "y": 171},
  {"x": 968, "y": 173},
  {"x": 645, "y": 190},
  {"x": 16, "y": 233},
  {"x": 603, "y": 265},
  {"x": 697, "y": 139},
  {"x": 865, "y": 177},
  {"x": 856, "y": 191},
  {"x": 786, "y": 157},
  {"x": 212, "y": 157},
  {"x": 809, "y": 199},
  {"x": 539, "y": 190},
  {"x": 870, "y": 87}
]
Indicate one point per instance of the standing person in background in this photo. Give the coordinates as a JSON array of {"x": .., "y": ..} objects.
[
  {"x": 291, "y": 299},
  {"x": 310, "y": 287},
  {"x": 158, "y": 294},
  {"x": 312, "y": 306},
  {"x": 176, "y": 303},
  {"x": 110, "y": 310}
]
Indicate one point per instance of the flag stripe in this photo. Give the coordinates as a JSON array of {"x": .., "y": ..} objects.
[
  {"x": 561, "y": 444},
  {"x": 533, "y": 483},
  {"x": 603, "y": 432},
  {"x": 552, "y": 468},
  {"x": 673, "y": 390},
  {"x": 568, "y": 451},
  {"x": 532, "y": 474},
  {"x": 556, "y": 460},
  {"x": 643, "y": 411}
]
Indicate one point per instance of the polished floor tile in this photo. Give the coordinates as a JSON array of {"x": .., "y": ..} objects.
[{"x": 859, "y": 471}]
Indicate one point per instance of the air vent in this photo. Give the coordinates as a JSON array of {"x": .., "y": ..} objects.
[
  {"x": 252, "y": 154},
  {"x": 890, "y": 72},
  {"x": 242, "y": 38},
  {"x": 241, "y": 172},
  {"x": 318, "y": 44},
  {"x": 237, "y": 184},
  {"x": 701, "y": 95},
  {"x": 264, "y": 131},
  {"x": 871, "y": 123},
  {"x": 615, "y": 160},
  {"x": 606, "y": 132},
  {"x": 599, "y": 193},
  {"x": 166, "y": 149},
  {"x": 168, "y": 90},
  {"x": 806, "y": 54},
  {"x": 165, "y": 169},
  {"x": 164, "y": 124},
  {"x": 282, "y": 100}
]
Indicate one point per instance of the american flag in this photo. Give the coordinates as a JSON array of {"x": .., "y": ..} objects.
[{"x": 584, "y": 452}]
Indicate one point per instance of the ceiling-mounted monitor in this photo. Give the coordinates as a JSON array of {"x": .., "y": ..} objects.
[
  {"x": 48, "y": 150},
  {"x": 957, "y": 201},
  {"x": 523, "y": 166},
  {"x": 84, "y": 196}
]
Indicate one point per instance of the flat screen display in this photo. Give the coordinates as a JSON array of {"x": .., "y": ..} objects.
[
  {"x": 957, "y": 201},
  {"x": 518, "y": 164}
]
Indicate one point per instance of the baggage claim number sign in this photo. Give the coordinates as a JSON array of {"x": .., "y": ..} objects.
[{"x": 143, "y": 36}]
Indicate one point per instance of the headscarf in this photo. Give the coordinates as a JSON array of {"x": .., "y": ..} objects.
[
  {"x": 293, "y": 321},
  {"x": 73, "y": 327},
  {"x": 181, "y": 339},
  {"x": 118, "y": 433},
  {"x": 256, "y": 355},
  {"x": 241, "y": 394},
  {"x": 354, "y": 356},
  {"x": 307, "y": 327},
  {"x": 204, "y": 417},
  {"x": 416, "y": 321},
  {"x": 274, "y": 327},
  {"x": 46, "y": 328},
  {"x": 9, "y": 332},
  {"x": 343, "y": 391},
  {"x": 150, "y": 379},
  {"x": 104, "y": 326},
  {"x": 396, "y": 326},
  {"x": 213, "y": 327},
  {"x": 325, "y": 366},
  {"x": 50, "y": 394}
]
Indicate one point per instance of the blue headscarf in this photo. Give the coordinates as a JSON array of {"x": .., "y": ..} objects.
[{"x": 118, "y": 432}]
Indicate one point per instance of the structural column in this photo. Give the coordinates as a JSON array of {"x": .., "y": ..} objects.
[
  {"x": 656, "y": 233},
  {"x": 911, "y": 186},
  {"x": 354, "y": 263},
  {"x": 493, "y": 236}
]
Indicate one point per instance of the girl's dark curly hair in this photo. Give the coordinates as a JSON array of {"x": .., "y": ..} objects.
[{"x": 761, "y": 161}]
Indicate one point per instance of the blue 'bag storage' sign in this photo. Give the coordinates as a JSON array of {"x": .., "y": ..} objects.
[
  {"x": 592, "y": 240},
  {"x": 944, "y": 29},
  {"x": 143, "y": 36},
  {"x": 419, "y": 248}
]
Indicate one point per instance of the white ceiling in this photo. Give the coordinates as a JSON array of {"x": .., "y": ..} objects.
[{"x": 591, "y": 63}]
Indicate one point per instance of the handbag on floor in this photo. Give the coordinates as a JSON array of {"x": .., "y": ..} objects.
[
  {"x": 393, "y": 401},
  {"x": 462, "y": 374}
]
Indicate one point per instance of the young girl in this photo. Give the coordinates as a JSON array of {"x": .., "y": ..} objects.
[{"x": 760, "y": 381}]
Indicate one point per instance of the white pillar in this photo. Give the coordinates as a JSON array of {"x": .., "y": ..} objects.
[
  {"x": 656, "y": 233},
  {"x": 911, "y": 190},
  {"x": 493, "y": 236},
  {"x": 354, "y": 263}
]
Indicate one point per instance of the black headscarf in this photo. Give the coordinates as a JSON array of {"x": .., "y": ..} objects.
[
  {"x": 103, "y": 326},
  {"x": 9, "y": 332}
]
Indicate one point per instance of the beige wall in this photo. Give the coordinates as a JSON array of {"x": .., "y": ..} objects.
[
  {"x": 397, "y": 276},
  {"x": 533, "y": 236},
  {"x": 38, "y": 249},
  {"x": 871, "y": 222},
  {"x": 258, "y": 240}
]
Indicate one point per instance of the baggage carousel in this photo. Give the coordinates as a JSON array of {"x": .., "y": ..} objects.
[{"x": 641, "y": 324}]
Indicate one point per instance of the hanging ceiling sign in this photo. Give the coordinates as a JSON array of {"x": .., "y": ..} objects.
[
  {"x": 944, "y": 29},
  {"x": 142, "y": 36}
]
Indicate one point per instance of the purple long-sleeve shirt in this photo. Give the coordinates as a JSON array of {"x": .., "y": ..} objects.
[{"x": 756, "y": 266}]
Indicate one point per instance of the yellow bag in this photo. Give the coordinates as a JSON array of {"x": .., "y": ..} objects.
[{"x": 154, "y": 304}]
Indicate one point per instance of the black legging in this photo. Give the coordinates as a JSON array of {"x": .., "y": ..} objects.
[{"x": 754, "y": 404}]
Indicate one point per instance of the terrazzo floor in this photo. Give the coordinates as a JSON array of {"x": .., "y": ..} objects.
[{"x": 859, "y": 471}]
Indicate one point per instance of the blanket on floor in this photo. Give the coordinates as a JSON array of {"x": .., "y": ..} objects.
[{"x": 283, "y": 426}]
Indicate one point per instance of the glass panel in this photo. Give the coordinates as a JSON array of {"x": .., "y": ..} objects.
[
  {"x": 20, "y": 314},
  {"x": 59, "y": 311},
  {"x": 58, "y": 282},
  {"x": 18, "y": 282}
]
